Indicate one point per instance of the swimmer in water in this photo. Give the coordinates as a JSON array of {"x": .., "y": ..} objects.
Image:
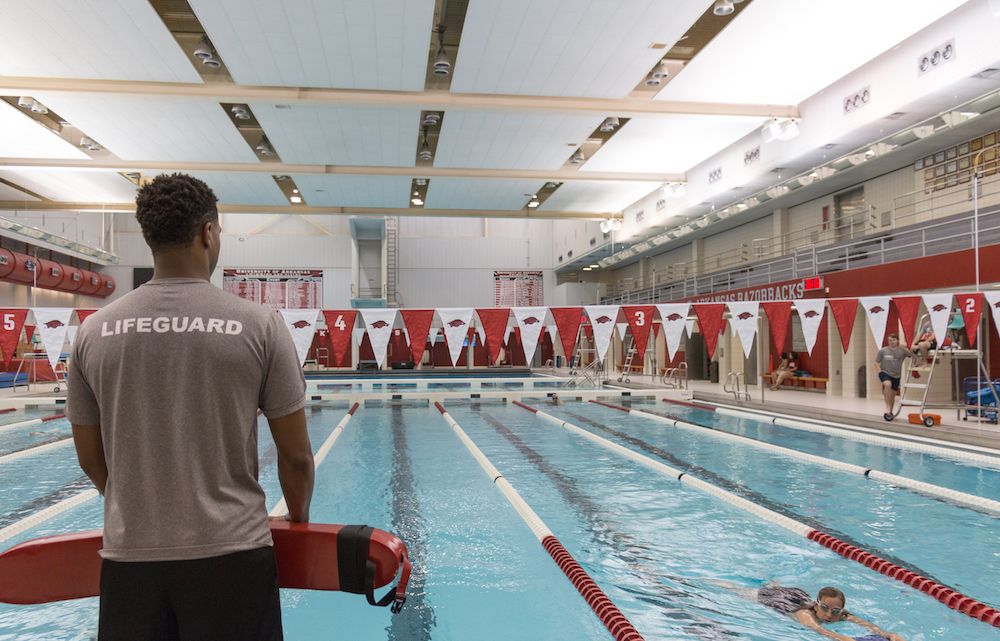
[{"x": 827, "y": 608}]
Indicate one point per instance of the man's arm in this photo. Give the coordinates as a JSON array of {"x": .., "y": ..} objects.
[
  {"x": 90, "y": 454},
  {"x": 296, "y": 470},
  {"x": 806, "y": 618},
  {"x": 874, "y": 628}
]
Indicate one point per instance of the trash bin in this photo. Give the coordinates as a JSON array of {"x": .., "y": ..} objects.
[
  {"x": 713, "y": 372},
  {"x": 558, "y": 362},
  {"x": 863, "y": 381}
]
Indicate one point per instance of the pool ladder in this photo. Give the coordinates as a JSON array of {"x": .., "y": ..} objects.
[
  {"x": 591, "y": 373},
  {"x": 733, "y": 386},
  {"x": 675, "y": 377}
]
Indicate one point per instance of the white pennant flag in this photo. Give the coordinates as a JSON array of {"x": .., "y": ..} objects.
[
  {"x": 993, "y": 301},
  {"x": 743, "y": 318},
  {"x": 71, "y": 333},
  {"x": 602, "y": 321},
  {"x": 481, "y": 333},
  {"x": 301, "y": 323},
  {"x": 877, "y": 310},
  {"x": 455, "y": 323},
  {"x": 506, "y": 336},
  {"x": 689, "y": 327},
  {"x": 622, "y": 328},
  {"x": 811, "y": 311},
  {"x": 432, "y": 334},
  {"x": 359, "y": 335},
  {"x": 673, "y": 317},
  {"x": 530, "y": 320},
  {"x": 939, "y": 308},
  {"x": 378, "y": 324},
  {"x": 554, "y": 337},
  {"x": 52, "y": 323}
]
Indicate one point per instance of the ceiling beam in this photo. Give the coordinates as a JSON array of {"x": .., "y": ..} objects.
[
  {"x": 423, "y": 100},
  {"x": 280, "y": 168},
  {"x": 521, "y": 214}
]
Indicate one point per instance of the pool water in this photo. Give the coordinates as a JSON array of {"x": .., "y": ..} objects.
[{"x": 660, "y": 550}]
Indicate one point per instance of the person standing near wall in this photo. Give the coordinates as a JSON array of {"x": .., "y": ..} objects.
[
  {"x": 164, "y": 387},
  {"x": 889, "y": 362}
]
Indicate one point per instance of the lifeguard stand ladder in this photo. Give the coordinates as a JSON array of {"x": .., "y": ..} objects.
[{"x": 630, "y": 353}]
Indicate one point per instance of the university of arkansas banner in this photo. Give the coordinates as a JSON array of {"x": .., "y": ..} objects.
[{"x": 340, "y": 329}]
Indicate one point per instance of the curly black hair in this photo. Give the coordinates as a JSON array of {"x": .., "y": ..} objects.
[{"x": 172, "y": 210}]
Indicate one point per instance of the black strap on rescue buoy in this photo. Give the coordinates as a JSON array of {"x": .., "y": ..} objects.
[{"x": 355, "y": 570}]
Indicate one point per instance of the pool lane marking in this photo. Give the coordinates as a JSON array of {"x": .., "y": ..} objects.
[
  {"x": 35, "y": 449},
  {"x": 281, "y": 507},
  {"x": 949, "y": 597},
  {"x": 962, "y": 498},
  {"x": 608, "y": 613},
  {"x": 916, "y": 443},
  {"x": 33, "y": 421},
  {"x": 41, "y": 516}
]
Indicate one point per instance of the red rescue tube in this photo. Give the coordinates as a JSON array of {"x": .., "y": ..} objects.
[
  {"x": 24, "y": 269},
  {"x": 67, "y": 566},
  {"x": 6, "y": 262},
  {"x": 50, "y": 273},
  {"x": 91, "y": 283},
  {"x": 108, "y": 287},
  {"x": 72, "y": 279}
]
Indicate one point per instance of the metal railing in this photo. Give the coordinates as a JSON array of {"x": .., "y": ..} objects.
[
  {"x": 675, "y": 377},
  {"x": 732, "y": 386}
]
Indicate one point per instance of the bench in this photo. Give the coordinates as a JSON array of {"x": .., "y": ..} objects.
[{"x": 801, "y": 382}]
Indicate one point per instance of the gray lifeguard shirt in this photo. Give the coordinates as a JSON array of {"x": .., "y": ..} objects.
[
  {"x": 890, "y": 359},
  {"x": 174, "y": 373}
]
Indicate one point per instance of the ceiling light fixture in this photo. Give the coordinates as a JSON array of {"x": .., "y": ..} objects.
[
  {"x": 680, "y": 190},
  {"x": 442, "y": 64},
  {"x": 610, "y": 124},
  {"x": 594, "y": 266},
  {"x": 425, "y": 149},
  {"x": 533, "y": 203},
  {"x": 296, "y": 199},
  {"x": 653, "y": 81},
  {"x": 38, "y": 108},
  {"x": 660, "y": 71},
  {"x": 923, "y": 131},
  {"x": 264, "y": 147},
  {"x": 240, "y": 112},
  {"x": 25, "y": 102},
  {"x": 605, "y": 226},
  {"x": 90, "y": 144},
  {"x": 577, "y": 158},
  {"x": 723, "y": 7},
  {"x": 777, "y": 191},
  {"x": 779, "y": 129},
  {"x": 206, "y": 53},
  {"x": 432, "y": 119}
]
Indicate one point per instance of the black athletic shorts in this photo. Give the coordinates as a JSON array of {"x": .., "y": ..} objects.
[
  {"x": 233, "y": 597},
  {"x": 893, "y": 381}
]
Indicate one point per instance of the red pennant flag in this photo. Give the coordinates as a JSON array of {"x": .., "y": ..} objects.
[
  {"x": 844, "y": 311},
  {"x": 82, "y": 314},
  {"x": 640, "y": 320},
  {"x": 568, "y": 323},
  {"x": 908, "y": 307},
  {"x": 494, "y": 321},
  {"x": 710, "y": 323},
  {"x": 10, "y": 334},
  {"x": 779, "y": 319},
  {"x": 29, "y": 331},
  {"x": 340, "y": 327},
  {"x": 971, "y": 306},
  {"x": 418, "y": 326}
]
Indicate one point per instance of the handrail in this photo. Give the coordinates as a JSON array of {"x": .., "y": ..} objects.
[
  {"x": 735, "y": 390},
  {"x": 675, "y": 377}
]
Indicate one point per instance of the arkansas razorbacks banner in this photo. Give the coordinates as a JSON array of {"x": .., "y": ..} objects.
[
  {"x": 939, "y": 308},
  {"x": 710, "y": 322},
  {"x": 493, "y": 320},
  {"x": 877, "y": 310},
  {"x": 844, "y": 311},
  {"x": 418, "y": 326},
  {"x": 971, "y": 306},
  {"x": 602, "y": 322},
  {"x": 378, "y": 324},
  {"x": 340, "y": 331},
  {"x": 673, "y": 316},
  {"x": 10, "y": 333},
  {"x": 52, "y": 323},
  {"x": 640, "y": 321},
  {"x": 71, "y": 331},
  {"x": 811, "y": 312},
  {"x": 993, "y": 300},
  {"x": 743, "y": 318},
  {"x": 567, "y": 321},
  {"x": 907, "y": 307},
  {"x": 455, "y": 323},
  {"x": 83, "y": 314},
  {"x": 530, "y": 320},
  {"x": 779, "y": 320},
  {"x": 301, "y": 324}
]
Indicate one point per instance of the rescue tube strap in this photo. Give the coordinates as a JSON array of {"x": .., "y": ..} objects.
[{"x": 357, "y": 572}]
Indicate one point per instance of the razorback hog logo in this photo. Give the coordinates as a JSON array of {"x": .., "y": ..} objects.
[
  {"x": 744, "y": 315},
  {"x": 997, "y": 304},
  {"x": 531, "y": 320},
  {"x": 379, "y": 324},
  {"x": 812, "y": 313},
  {"x": 299, "y": 324},
  {"x": 674, "y": 317},
  {"x": 878, "y": 309},
  {"x": 938, "y": 308},
  {"x": 600, "y": 320},
  {"x": 52, "y": 324},
  {"x": 456, "y": 323}
]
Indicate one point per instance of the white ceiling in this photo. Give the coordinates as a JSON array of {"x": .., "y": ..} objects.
[
  {"x": 74, "y": 185},
  {"x": 320, "y": 190},
  {"x": 668, "y": 145},
  {"x": 467, "y": 193},
  {"x": 9, "y": 193},
  {"x": 596, "y": 197},
  {"x": 238, "y": 188},
  {"x": 322, "y": 134},
  {"x": 374, "y": 44},
  {"x": 105, "y": 39},
  {"x": 24, "y": 137},
  {"x": 151, "y": 128},
  {"x": 593, "y": 48},
  {"x": 783, "y": 51},
  {"x": 510, "y": 140}
]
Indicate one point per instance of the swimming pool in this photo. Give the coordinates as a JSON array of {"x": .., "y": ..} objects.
[{"x": 655, "y": 546}]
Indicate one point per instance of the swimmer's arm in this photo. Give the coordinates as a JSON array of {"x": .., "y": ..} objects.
[
  {"x": 296, "y": 470},
  {"x": 807, "y": 619},
  {"x": 90, "y": 454},
  {"x": 872, "y": 627}
]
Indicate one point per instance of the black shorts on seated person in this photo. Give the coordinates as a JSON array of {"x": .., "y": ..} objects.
[
  {"x": 883, "y": 377},
  {"x": 233, "y": 597}
]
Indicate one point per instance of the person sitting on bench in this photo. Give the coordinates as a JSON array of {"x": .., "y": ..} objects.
[
  {"x": 925, "y": 342},
  {"x": 785, "y": 369}
]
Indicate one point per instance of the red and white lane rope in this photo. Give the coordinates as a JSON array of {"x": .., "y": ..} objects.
[
  {"x": 608, "y": 613},
  {"x": 34, "y": 421},
  {"x": 951, "y": 598},
  {"x": 281, "y": 507}
]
